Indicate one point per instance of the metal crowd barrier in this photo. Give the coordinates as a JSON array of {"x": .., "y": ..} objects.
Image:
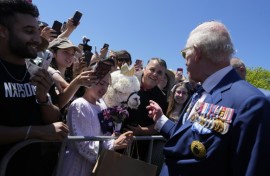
[{"x": 22, "y": 144}]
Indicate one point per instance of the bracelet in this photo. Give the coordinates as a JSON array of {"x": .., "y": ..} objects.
[
  {"x": 48, "y": 102},
  {"x": 56, "y": 71},
  {"x": 28, "y": 132}
]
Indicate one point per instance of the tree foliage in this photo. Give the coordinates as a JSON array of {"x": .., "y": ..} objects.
[{"x": 258, "y": 77}]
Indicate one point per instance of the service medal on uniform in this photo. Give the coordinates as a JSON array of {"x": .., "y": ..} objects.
[
  {"x": 212, "y": 117},
  {"x": 198, "y": 149}
]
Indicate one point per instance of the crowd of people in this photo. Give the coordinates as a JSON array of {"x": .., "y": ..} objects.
[{"x": 213, "y": 121}]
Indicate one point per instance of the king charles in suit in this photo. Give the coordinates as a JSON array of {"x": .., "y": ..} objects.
[{"x": 227, "y": 130}]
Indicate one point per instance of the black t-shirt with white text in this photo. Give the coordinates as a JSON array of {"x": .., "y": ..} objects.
[{"x": 19, "y": 108}]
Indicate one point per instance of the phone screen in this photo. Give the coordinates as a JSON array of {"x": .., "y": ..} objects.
[{"x": 76, "y": 18}]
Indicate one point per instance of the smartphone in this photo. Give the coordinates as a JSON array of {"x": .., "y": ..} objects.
[
  {"x": 47, "y": 58},
  {"x": 101, "y": 68},
  {"x": 106, "y": 45},
  {"x": 57, "y": 25},
  {"x": 76, "y": 18},
  {"x": 180, "y": 69}
]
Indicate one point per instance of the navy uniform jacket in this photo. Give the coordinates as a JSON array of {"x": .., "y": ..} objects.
[{"x": 243, "y": 150}]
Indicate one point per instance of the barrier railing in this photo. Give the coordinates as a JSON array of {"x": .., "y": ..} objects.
[{"x": 22, "y": 144}]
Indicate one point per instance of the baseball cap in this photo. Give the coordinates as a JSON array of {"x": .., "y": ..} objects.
[
  {"x": 42, "y": 24},
  {"x": 63, "y": 43}
]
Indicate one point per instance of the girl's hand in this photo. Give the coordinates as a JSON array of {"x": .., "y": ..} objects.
[{"x": 123, "y": 141}]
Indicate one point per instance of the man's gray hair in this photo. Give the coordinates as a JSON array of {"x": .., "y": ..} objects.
[{"x": 213, "y": 39}]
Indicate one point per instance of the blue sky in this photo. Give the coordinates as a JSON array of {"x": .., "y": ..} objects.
[{"x": 160, "y": 28}]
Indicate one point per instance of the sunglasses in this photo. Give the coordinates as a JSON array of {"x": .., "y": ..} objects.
[
  {"x": 184, "y": 51},
  {"x": 123, "y": 59}
]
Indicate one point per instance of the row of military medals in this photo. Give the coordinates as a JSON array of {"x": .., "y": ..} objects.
[{"x": 214, "y": 117}]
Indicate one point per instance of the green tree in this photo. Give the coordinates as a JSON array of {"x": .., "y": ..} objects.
[{"x": 258, "y": 77}]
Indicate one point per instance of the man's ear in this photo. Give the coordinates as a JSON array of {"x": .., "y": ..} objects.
[
  {"x": 242, "y": 68},
  {"x": 3, "y": 31},
  {"x": 197, "y": 53}
]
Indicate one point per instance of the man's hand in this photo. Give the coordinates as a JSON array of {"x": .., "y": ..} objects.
[
  {"x": 48, "y": 33},
  {"x": 154, "y": 110},
  {"x": 54, "y": 132},
  {"x": 42, "y": 80}
]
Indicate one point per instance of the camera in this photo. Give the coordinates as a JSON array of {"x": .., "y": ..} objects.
[{"x": 87, "y": 49}]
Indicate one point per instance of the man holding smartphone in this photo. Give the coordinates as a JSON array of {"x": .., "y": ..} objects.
[{"x": 27, "y": 110}]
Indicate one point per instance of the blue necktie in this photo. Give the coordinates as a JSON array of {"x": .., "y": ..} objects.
[{"x": 195, "y": 97}]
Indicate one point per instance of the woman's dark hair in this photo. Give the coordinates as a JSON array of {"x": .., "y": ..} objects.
[
  {"x": 124, "y": 52},
  {"x": 69, "y": 71}
]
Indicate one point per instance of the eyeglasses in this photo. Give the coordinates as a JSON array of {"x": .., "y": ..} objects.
[
  {"x": 123, "y": 59},
  {"x": 184, "y": 51}
]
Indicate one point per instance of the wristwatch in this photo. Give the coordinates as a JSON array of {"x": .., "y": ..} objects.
[{"x": 48, "y": 102}]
